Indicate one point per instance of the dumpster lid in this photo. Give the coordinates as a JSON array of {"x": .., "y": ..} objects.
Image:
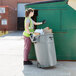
[{"x": 41, "y": 2}]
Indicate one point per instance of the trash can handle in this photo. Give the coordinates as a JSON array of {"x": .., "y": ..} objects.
[
  {"x": 51, "y": 38},
  {"x": 34, "y": 39}
]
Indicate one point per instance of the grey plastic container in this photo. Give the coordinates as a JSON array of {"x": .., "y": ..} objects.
[{"x": 45, "y": 50}]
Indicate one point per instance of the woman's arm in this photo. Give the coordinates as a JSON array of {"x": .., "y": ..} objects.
[{"x": 38, "y": 23}]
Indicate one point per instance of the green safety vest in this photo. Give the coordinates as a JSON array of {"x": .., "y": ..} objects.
[{"x": 31, "y": 27}]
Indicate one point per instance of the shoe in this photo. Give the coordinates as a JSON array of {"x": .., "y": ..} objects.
[{"x": 27, "y": 62}]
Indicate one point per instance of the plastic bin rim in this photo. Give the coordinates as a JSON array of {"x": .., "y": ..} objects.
[{"x": 46, "y": 34}]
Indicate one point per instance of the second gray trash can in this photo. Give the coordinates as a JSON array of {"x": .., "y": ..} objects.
[{"x": 45, "y": 50}]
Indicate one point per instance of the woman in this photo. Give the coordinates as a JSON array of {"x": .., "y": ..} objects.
[{"x": 29, "y": 29}]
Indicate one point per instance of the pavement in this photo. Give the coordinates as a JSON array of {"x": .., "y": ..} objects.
[{"x": 11, "y": 60}]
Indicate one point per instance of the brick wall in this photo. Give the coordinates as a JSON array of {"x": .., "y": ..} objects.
[
  {"x": 12, "y": 19},
  {"x": 13, "y": 3},
  {"x": 11, "y": 16},
  {"x": 4, "y": 16},
  {"x": 30, "y": 1},
  {"x": 37, "y": 0}
]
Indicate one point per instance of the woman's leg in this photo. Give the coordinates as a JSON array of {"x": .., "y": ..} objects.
[{"x": 27, "y": 46}]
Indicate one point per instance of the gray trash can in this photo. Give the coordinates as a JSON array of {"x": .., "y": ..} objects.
[{"x": 45, "y": 50}]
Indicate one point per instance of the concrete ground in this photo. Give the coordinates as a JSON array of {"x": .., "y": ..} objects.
[{"x": 11, "y": 60}]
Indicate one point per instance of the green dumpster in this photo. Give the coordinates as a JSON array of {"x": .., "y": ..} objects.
[{"x": 62, "y": 19}]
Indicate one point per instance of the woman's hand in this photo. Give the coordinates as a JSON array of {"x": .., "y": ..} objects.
[{"x": 44, "y": 21}]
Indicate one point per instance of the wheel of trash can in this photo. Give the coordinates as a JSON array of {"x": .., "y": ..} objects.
[{"x": 38, "y": 65}]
